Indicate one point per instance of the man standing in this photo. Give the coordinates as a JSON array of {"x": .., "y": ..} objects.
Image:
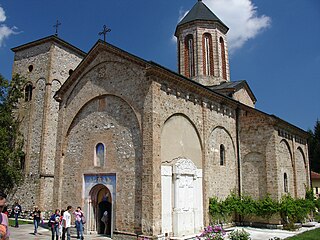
[
  {"x": 66, "y": 223},
  {"x": 16, "y": 211},
  {"x": 36, "y": 219},
  {"x": 4, "y": 231}
]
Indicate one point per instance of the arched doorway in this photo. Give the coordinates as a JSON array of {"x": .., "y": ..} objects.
[{"x": 101, "y": 201}]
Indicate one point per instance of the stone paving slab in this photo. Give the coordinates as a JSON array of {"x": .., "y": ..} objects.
[
  {"x": 25, "y": 232},
  {"x": 266, "y": 234}
]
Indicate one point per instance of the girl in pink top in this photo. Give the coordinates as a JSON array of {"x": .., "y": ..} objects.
[{"x": 79, "y": 225}]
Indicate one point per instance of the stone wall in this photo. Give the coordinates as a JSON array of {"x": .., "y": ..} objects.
[
  {"x": 145, "y": 117},
  {"x": 243, "y": 97},
  {"x": 43, "y": 66},
  {"x": 213, "y": 123},
  {"x": 263, "y": 144},
  {"x": 197, "y": 33},
  {"x": 104, "y": 106}
]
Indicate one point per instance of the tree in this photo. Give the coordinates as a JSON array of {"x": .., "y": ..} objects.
[
  {"x": 314, "y": 148},
  {"x": 11, "y": 141}
]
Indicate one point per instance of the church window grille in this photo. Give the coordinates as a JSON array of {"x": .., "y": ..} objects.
[
  {"x": 189, "y": 56},
  {"x": 222, "y": 155},
  {"x": 285, "y": 181},
  {"x": 207, "y": 55},
  {"x": 100, "y": 155},
  {"x": 223, "y": 58},
  {"x": 28, "y": 92}
]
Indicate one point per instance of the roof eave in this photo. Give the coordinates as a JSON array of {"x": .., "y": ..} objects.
[
  {"x": 223, "y": 27},
  {"x": 48, "y": 39}
]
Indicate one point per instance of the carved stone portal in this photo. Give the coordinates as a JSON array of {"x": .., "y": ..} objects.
[{"x": 182, "y": 208}]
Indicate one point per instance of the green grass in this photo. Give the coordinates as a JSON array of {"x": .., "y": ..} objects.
[
  {"x": 12, "y": 222},
  {"x": 309, "y": 235}
]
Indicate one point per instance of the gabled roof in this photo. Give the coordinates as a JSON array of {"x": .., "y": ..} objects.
[
  {"x": 200, "y": 12},
  {"x": 94, "y": 51},
  {"x": 51, "y": 38},
  {"x": 234, "y": 86},
  {"x": 153, "y": 67}
]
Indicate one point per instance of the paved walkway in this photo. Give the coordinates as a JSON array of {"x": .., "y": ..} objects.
[
  {"x": 25, "y": 232},
  {"x": 266, "y": 234}
]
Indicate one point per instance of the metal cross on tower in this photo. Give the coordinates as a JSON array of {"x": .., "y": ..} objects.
[
  {"x": 56, "y": 26},
  {"x": 104, "y": 32}
]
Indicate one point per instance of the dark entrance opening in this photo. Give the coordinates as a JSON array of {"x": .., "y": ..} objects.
[
  {"x": 102, "y": 209},
  {"x": 104, "y": 212}
]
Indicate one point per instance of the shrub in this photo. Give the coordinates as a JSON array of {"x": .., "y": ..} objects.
[
  {"x": 267, "y": 207},
  {"x": 216, "y": 210},
  {"x": 295, "y": 210},
  {"x": 317, "y": 203},
  {"x": 317, "y": 217},
  {"x": 239, "y": 235},
  {"x": 247, "y": 206},
  {"x": 290, "y": 209}
]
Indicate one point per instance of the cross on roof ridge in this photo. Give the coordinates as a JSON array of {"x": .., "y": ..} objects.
[{"x": 104, "y": 32}]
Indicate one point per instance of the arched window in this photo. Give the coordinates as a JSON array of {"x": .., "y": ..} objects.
[
  {"x": 189, "y": 56},
  {"x": 28, "y": 92},
  {"x": 208, "y": 65},
  {"x": 222, "y": 155},
  {"x": 223, "y": 58},
  {"x": 285, "y": 182},
  {"x": 100, "y": 155},
  {"x": 30, "y": 68}
]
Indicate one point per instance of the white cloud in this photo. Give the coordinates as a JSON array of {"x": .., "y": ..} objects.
[
  {"x": 241, "y": 16},
  {"x": 5, "y": 31}
]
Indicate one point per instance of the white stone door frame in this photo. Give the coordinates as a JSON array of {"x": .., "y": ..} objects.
[{"x": 182, "y": 199}]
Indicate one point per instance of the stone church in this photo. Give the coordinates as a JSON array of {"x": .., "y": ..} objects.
[{"x": 109, "y": 131}]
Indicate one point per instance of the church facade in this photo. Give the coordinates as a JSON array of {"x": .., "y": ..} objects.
[{"x": 109, "y": 131}]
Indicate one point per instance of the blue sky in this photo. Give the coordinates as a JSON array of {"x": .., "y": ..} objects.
[{"x": 274, "y": 45}]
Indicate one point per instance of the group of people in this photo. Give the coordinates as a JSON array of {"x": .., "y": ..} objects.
[{"x": 60, "y": 223}]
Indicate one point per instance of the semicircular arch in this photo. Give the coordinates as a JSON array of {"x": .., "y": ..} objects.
[
  {"x": 286, "y": 168},
  {"x": 227, "y": 133},
  {"x": 223, "y": 174},
  {"x": 180, "y": 138},
  {"x": 289, "y": 151},
  {"x": 98, "y": 74},
  {"x": 97, "y": 98},
  {"x": 301, "y": 173}
]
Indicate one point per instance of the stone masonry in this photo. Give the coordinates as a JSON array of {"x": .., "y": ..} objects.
[{"x": 147, "y": 119}]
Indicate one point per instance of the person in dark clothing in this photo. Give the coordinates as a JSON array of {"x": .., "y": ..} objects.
[
  {"x": 36, "y": 219},
  {"x": 55, "y": 224},
  {"x": 16, "y": 211}
]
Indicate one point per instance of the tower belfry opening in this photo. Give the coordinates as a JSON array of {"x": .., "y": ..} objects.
[{"x": 202, "y": 46}]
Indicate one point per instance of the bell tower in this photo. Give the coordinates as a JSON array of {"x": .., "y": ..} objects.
[{"x": 202, "y": 46}]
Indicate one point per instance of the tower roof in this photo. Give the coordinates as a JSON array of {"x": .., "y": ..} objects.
[
  {"x": 200, "y": 12},
  {"x": 52, "y": 38}
]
